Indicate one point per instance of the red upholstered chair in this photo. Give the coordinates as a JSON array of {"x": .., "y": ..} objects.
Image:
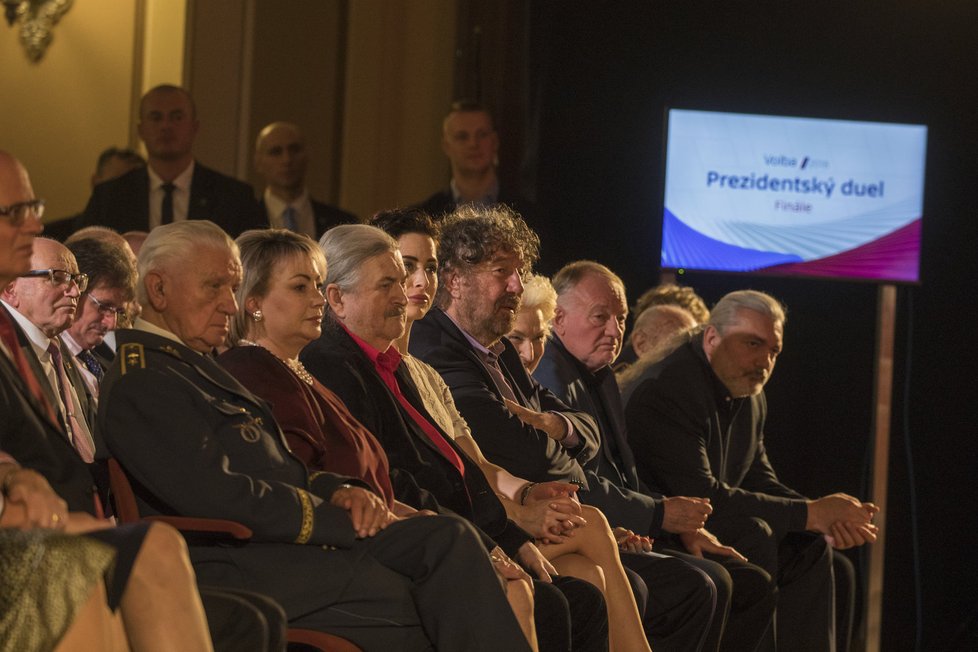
[{"x": 127, "y": 512}]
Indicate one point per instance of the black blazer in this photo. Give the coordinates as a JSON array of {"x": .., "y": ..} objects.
[
  {"x": 123, "y": 203},
  {"x": 421, "y": 476},
  {"x": 36, "y": 442},
  {"x": 522, "y": 450},
  {"x": 614, "y": 484},
  {"x": 326, "y": 216}
]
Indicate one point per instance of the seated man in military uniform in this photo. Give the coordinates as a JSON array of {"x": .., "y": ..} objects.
[{"x": 197, "y": 443}]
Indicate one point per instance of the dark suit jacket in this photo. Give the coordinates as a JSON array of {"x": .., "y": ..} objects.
[
  {"x": 505, "y": 440},
  {"x": 692, "y": 439},
  {"x": 123, "y": 203},
  {"x": 421, "y": 475},
  {"x": 88, "y": 403},
  {"x": 614, "y": 484},
  {"x": 36, "y": 442},
  {"x": 325, "y": 215},
  {"x": 442, "y": 203}
]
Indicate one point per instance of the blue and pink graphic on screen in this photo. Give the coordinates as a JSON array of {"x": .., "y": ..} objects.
[{"x": 793, "y": 196}]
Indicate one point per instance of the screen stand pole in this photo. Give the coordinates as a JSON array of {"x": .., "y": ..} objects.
[
  {"x": 667, "y": 276},
  {"x": 882, "y": 413}
]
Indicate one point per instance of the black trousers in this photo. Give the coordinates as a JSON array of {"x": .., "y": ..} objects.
[
  {"x": 423, "y": 582},
  {"x": 681, "y": 601},
  {"x": 746, "y": 600},
  {"x": 801, "y": 564},
  {"x": 570, "y": 614},
  {"x": 243, "y": 621}
]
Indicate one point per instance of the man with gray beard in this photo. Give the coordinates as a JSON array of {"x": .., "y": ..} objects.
[{"x": 485, "y": 254}]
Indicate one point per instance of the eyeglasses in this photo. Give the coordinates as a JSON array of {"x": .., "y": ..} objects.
[
  {"x": 17, "y": 213},
  {"x": 58, "y": 277},
  {"x": 106, "y": 310}
]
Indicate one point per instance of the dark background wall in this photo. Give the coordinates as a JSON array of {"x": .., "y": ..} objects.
[{"x": 598, "y": 77}]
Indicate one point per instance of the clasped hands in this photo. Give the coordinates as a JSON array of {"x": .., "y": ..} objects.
[
  {"x": 551, "y": 512},
  {"x": 845, "y": 521}
]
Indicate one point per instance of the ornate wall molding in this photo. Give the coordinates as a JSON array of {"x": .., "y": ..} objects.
[{"x": 36, "y": 19}]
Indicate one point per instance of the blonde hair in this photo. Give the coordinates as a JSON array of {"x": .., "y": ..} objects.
[{"x": 539, "y": 293}]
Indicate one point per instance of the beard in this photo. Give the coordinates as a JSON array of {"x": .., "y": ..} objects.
[{"x": 488, "y": 323}]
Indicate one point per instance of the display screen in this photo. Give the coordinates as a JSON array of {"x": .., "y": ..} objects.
[{"x": 793, "y": 196}]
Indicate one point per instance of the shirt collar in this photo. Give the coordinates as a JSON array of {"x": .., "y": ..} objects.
[
  {"x": 492, "y": 353},
  {"x": 491, "y": 196},
  {"x": 276, "y": 205},
  {"x": 388, "y": 359},
  {"x": 720, "y": 392},
  {"x": 590, "y": 377},
  {"x": 182, "y": 181},
  {"x": 70, "y": 342},
  {"x": 39, "y": 341}
]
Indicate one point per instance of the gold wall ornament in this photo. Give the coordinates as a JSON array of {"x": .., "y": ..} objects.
[{"x": 36, "y": 19}]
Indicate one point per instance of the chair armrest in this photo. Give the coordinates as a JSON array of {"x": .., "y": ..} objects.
[{"x": 190, "y": 525}]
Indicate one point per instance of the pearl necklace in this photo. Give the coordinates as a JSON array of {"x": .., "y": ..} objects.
[{"x": 293, "y": 364}]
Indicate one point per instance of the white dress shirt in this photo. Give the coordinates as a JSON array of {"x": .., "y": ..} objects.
[{"x": 305, "y": 218}]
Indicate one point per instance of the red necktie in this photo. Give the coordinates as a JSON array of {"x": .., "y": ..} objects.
[
  {"x": 9, "y": 336},
  {"x": 388, "y": 362}
]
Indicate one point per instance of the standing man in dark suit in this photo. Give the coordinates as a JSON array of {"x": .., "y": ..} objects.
[
  {"x": 281, "y": 159},
  {"x": 519, "y": 424},
  {"x": 471, "y": 145},
  {"x": 588, "y": 326},
  {"x": 173, "y": 186}
]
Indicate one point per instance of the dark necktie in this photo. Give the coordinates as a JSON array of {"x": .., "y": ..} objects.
[
  {"x": 9, "y": 336},
  {"x": 288, "y": 218},
  {"x": 166, "y": 209},
  {"x": 91, "y": 364}
]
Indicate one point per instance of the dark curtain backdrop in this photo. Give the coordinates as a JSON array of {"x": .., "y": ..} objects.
[{"x": 600, "y": 76}]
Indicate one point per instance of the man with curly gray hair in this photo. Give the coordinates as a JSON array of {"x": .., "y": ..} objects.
[{"x": 486, "y": 255}]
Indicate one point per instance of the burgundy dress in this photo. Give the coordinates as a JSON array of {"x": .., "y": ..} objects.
[{"x": 319, "y": 429}]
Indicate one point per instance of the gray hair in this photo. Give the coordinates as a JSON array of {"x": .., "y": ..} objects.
[
  {"x": 567, "y": 278},
  {"x": 724, "y": 313},
  {"x": 174, "y": 243},
  {"x": 347, "y": 247}
]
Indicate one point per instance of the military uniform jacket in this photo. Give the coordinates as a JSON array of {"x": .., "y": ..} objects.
[{"x": 196, "y": 443}]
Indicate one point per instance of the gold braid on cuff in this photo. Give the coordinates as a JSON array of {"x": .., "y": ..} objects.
[{"x": 305, "y": 532}]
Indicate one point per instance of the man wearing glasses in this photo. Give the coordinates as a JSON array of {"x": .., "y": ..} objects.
[
  {"x": 43, "y": 303},
  {"x": 111, "y": 288}
]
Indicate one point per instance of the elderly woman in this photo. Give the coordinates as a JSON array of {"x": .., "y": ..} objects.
[
  {"x": 280, "y": 311},
  {"x": 532, "y": 327},
  {"x": 576, "y": 540}
]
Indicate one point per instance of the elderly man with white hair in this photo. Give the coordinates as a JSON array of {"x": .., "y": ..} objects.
[{"x": 197, "y": 443}]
